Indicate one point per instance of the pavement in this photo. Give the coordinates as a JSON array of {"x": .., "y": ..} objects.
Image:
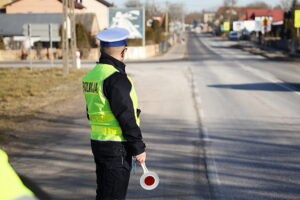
[
  {"x": 284, "y": 67},
  {"x": 176, "y": 52},
  {"x": 268, "y": 52},
  {"x": 60, "y": 159},
  {"x": 219, "y": 124},
  {"x": 250, "y": 113},
  {"x": 170, "y": 126}
]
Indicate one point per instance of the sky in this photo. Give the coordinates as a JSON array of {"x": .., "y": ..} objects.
[{"x": 199, "y": 5}]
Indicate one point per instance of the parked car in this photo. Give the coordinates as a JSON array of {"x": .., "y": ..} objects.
[{"x": 233, "y": 35}]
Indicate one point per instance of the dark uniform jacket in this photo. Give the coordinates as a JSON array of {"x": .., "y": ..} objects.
[{"x": 117, "y": 89}]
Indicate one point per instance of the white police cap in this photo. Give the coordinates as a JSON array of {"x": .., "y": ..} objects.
[{"x": 113, "y": 37}]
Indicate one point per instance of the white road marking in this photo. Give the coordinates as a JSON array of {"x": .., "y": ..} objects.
[
  {"x": 211, "y": 163},
  {"x": 262, "y": 74}
]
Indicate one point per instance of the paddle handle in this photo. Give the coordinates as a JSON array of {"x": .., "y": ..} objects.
[{"x": 144, "y": 168}]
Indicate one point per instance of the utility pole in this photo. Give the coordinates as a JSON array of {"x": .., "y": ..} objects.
[
  {"x": 68, "y": 31},
  {"x": 30, "y": 54},
  {"x": 232, "y": 5},
  {"x": 65, "y": 39},
  {"x": 182, "y": 18},
  {"x": 73, "y": 34},
  {"x": 51, "y": 46},
  {"x": 230, "y": 11},
  {"x": 167, "y": 19},
  {"x": 144, "y": 27}
]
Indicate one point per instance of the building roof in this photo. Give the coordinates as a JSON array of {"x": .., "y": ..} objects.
[
  {"x": 3, "y": 3},
  {"x": 77, "y": 4},
  {"x": 12, "y": 24},
  {"x": 106, "y": 3},
  {"x": 276, "y": 14}
]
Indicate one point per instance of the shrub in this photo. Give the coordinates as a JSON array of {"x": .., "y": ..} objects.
[{"x": 2, "y": 45}]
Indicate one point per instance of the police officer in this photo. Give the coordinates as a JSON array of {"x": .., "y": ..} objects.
[{"x": 112, "y": 110}]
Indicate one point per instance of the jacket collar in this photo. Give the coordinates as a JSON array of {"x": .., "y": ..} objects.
[{"x": 107, "y": 59}]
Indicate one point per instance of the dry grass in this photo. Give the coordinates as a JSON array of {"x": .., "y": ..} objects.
[{"x": 23, "y": 93}]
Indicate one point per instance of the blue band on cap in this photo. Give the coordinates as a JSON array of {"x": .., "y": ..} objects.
[{"x": 114, "y": 44}]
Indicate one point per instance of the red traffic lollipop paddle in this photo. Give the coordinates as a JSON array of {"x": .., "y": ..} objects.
[{"x": 149, "y": 180}]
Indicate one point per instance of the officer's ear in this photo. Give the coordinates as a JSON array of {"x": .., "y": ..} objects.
[{"x": 123, "y": 52}]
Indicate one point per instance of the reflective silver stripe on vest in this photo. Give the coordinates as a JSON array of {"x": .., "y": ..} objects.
[{"x": 26, "y": 198}]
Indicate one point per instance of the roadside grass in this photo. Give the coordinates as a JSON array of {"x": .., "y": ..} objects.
[{"x": 24, "y": 93}]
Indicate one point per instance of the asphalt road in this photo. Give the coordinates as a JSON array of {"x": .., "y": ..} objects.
[
  {"x": 219, "y": 124},
  {"x": 170, "y": 125},
  {"x": 250, "y": 115},
  {"x": 60, "y": 159}
]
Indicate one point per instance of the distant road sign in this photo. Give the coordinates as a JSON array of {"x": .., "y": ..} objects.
[
  {"x": 297, "y": 18},
  {"x": 266, "y": 25},
  {"x": 130, "y": 18},
  {"x": 226, "y": 26},
  {"x": 238, "y": 25},
  {"x": 43, "y": 31},
  {"x": 222, "y": 28}
]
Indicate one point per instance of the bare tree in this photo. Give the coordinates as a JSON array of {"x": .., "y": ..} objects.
[
  {"x": 133, "y": 4},
  {"x": 258, "y": 5},
  {"x": 152, "y": 10},
  {"x": 230, "y": 3},
  {"x": 176, "y": 11},
  {"x": 294, "y": 5},
  {"x": 229, "y": 9},
  {"x": 194, "y": 16},
  {"x": 285, "y": 4}
]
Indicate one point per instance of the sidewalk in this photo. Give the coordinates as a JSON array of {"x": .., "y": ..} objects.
[
  {"x": 176, "y": 52},
  {"x": 268, "y": 52}
]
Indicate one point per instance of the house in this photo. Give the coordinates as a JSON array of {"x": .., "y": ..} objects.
[
  {"x": 208, "y": 17},
  {"x": 101, "y": 10},
  {"x": 3, "y": 3},
  {"x": 276, "y": 16},
  {"x": 224, "y": 13},
  {"x": 41, "y": 13},
  {"x": 86, "y": 16},
  {"x": 12, "y": 24},
  {"x": 12, "y": 28},
  {"x": 38, "y": 6}
]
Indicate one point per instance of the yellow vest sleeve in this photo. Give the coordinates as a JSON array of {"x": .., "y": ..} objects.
[{"x": 11, "y": 186}]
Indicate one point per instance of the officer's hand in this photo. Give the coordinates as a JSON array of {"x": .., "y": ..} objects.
[{"x": 141, "y": 158}]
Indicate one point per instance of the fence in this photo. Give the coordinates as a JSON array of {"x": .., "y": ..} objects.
[
  {"x": 17, "y": 55},
  {"x": 133, "y": 53},
  {"x": 286, "y": 45}
]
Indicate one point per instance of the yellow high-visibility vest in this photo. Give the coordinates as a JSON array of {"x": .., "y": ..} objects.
[
  {"x": 11, "y": 186},
  {"x": 104, "y": 125}
]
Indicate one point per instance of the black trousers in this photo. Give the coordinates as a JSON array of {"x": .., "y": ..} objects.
[{"x": 112, "y": 170}]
